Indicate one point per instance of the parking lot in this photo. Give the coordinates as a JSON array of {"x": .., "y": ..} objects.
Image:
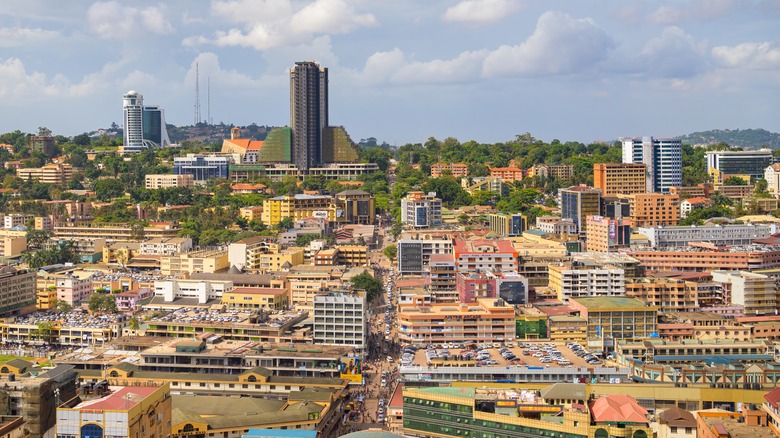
[{"x": 539, "y": 354}]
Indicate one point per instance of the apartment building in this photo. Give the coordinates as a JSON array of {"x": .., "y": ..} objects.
[
  {"x": 508, "y": 225},
  {"x": 202, "y": 292},
  {"x": 555, "y": 225},
  {"x": 12, "y": 245},
  {"x": 508, "y": 174},
  {"x": 486, "y": 320},
  {"x": 17, "y": 291},
  {"x": 758, "y": 293},
  {"x": 414, "y": 255},
  {"x": 573, "y": 280},
  {"x": 75, "y": 290},
  {"x": 165, "y": 246},
  {"x": 669, "y": 294},
  {"x": 654, "y": 209},
  {"x": 579, "y": 202},
  {"x": 607, "y": 235},
  {"x": 719, "y": 235},
  {"x": 421, "y": 211},
  {"x": 48, "y": 174},
  {"x": 207, "y": 260},
  {"x": 620, "y": 178},
  {"x": 561, "y": 171},
  {"x": 457, "y": 170},
  {"x": 617, "y": 318},
  {"x": 485, "y": 255},
  {"x": 340, "y": 319},
  {"x": 167, "y": 181}
]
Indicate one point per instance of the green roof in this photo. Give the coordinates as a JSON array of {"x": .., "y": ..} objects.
[{"x": 594, "y": 303}]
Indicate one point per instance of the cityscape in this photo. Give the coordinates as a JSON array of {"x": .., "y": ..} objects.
[{"x": 239, "y": 280}]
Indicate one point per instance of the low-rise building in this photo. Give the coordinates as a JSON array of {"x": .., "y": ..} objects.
[{"x": 167, "y": 181}]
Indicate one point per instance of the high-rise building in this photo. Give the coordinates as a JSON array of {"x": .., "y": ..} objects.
[
  {"x": 579, "y": 202},
  {"x": 308, "y": 112},
  {"x": 663, "y": 157},
  {"x": 750, "y": 163},
  {"x": 144, "y": 126},
  {"x": 620, "y": 178}
]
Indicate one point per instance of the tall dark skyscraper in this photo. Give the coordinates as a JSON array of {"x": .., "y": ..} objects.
[{"x": 308, "y": 112}]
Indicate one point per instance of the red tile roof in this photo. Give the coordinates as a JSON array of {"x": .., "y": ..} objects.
[{"x": 618, "y": 408}]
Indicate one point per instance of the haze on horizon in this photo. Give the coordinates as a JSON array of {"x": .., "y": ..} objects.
[{"x": 401, "y": 71}]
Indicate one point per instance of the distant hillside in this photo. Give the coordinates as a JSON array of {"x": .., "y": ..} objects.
[{"x": 744, "y": 138}]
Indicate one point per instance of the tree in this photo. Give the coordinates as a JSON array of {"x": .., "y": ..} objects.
[
  {"x": 391, "y": 252},
  {"x": 368, "y": 283},
  {"x": 734, "y": 181}
]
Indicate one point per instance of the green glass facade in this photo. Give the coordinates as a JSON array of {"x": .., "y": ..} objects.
[
  {"x": 427, "y": 416},
  {"x": 337, "y": 146},
  {"x": 277, "y": 146}
]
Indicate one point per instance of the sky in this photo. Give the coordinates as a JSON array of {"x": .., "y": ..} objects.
[{"x": 402, "y": 70}]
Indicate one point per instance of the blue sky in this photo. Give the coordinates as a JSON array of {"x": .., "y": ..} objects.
[{"x": 401, "y": 70}]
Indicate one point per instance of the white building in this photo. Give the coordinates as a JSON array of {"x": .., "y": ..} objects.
[
  {"x": 166, "y": 246},
  {"x": 421, "y": 211},
  {"x": 663, "y": 157},
  {"x": 200, "y": 290},
  {"x": 772, "y": 177},
  {"x": 340, "y": 319},
  {"x": 679, "y": 236},
  {"x": 570, "y": 281}
]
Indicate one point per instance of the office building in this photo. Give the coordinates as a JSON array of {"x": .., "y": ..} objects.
[
  {"x": 579, "y": 202},
  {"x": 751, "y": 163},
  {"x": 154, "y": 182},
  {"x": 654, "y": 209},
  {"x": 756, "y": 292},
  {"x": 340, "y": 319},
  {"x": 663, "y": 157},
  {"x": 620, "y": 178},
  {"x": 719, "y": 235},
  {"x": 52, "y": 173},
  {"x": 616, "y": 318},
  {"x": 486, "y": 320},
  {"x": 607, "y": 235},
  {"x": 144, "y": 125},
  {"x": 130, "y": 411},
  {"x": 572, "y": 280},
  {"x": 415, "y": 255},
  {"x": 17, "y": 291},
  {"x": 308, "y": 112},
  {"x": 421, "y": 211},
  {"x": 202, "y": 167},
  {"x": 508, "y": 225},
  {"x": 457, "y": 170}
]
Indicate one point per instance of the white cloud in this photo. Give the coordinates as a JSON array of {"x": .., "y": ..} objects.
[
  {"x": 21, "y": 36},
  {"x": 698, "y": 10},
  {"x": 279, "y": 23},
  {"x": 112, "y": 20},
  {"x": 480, "y": 11},
  {"x": 758, "y": 55},
  {"x": 673, "y": 54},
  {"x": 560, "y": 44}
]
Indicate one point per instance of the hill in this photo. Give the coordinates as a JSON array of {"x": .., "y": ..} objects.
[{"x": 744, "y": 138}]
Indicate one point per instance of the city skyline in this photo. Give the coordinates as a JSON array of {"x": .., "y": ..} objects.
[{"x": 476, "y": 69}]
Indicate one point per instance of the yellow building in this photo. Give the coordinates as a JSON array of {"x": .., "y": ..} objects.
[
  {"x": 208, "y": 261},
  {"x": 129, "y": 411},
  {"x": 254, "y": 298},
  {"x": 251, "y": 213},
  {"x": 298, "y": 207}
]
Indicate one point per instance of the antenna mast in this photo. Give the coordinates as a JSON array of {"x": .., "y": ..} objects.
[{"x": 197, "y": 95}]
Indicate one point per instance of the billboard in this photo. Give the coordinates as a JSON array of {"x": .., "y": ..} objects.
[{"x": 351, "y": 368}]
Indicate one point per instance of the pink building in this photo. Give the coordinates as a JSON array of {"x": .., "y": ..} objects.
[{"x": 129, "y": 300}]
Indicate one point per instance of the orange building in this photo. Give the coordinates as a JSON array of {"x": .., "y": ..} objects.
[
  {"x": 654, "y": 209},
  {"x": 620, "y": 178},
  {"x": 458, "y": 170},
  {"x": 507, "y": 173}
]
